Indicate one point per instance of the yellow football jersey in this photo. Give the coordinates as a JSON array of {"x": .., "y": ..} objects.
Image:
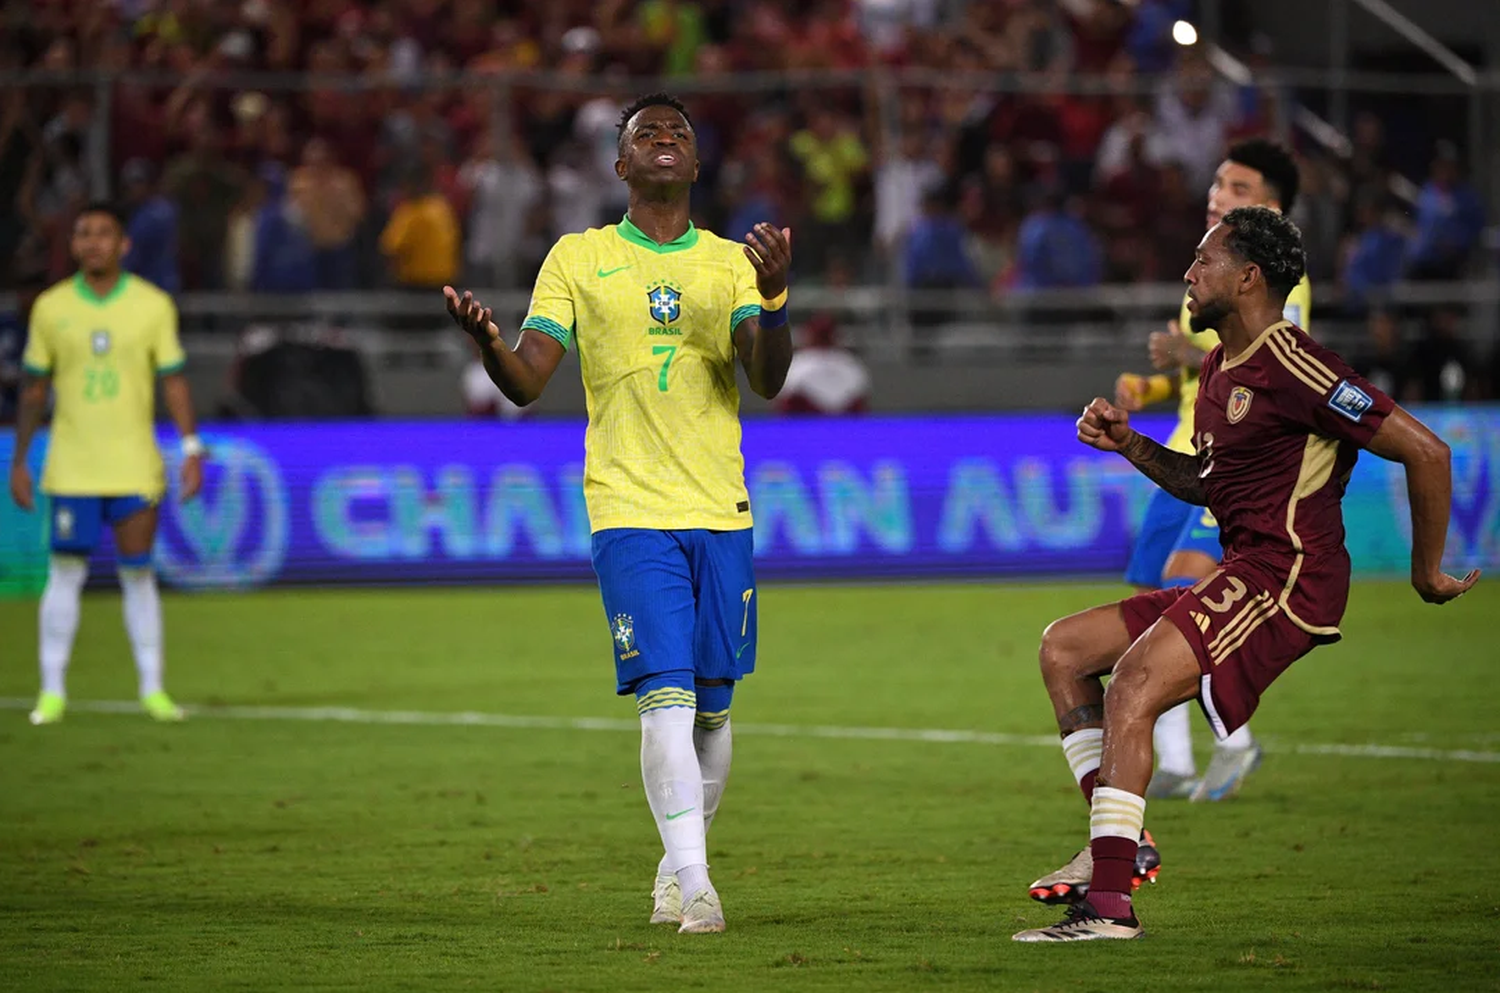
[
  {"x": 1298, "y": 310},
  {"x": 654, "y": 327},
  {"x": 103, "y": 354}
]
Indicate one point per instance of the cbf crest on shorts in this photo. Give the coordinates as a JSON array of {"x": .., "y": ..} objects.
[
  {"x": 99, "y": 342},
  {"x": 623, "y": 627},
  {"x": 1239, "y": 404}
]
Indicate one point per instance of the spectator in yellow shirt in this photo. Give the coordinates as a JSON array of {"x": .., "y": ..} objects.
[{"x": 422, "y": 239}]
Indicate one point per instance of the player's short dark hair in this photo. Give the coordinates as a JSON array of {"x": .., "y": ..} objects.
[
  {"x": 650, "y": 100},
  {"x": 1274, "y": 163},
  {"x": 1272, "y": 242},
  {"x": 104, "y": 207}
]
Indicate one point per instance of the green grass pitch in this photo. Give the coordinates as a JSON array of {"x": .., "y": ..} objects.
[{"x": 257, "y": 854}]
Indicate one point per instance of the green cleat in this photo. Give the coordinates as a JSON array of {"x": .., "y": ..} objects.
[
  {"x": 49, "y": 709},
  {"x": 160, "y": 707}
]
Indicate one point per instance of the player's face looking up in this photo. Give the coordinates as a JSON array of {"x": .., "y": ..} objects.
[
  {"x": 1235, "y": 186},
  {"x": 1213, "y": 279},
  {"x": 99, "y": 243},
  {"x": 658, "y": 147}
]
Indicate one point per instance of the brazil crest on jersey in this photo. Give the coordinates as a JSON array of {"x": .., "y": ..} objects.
[{"x": 654, "y": 325}]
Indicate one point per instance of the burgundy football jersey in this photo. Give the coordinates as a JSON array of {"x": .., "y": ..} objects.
[{"x": 1278, "y": 429}]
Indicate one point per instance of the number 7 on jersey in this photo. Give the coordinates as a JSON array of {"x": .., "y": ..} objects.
[{"x": 668, "y": 351}]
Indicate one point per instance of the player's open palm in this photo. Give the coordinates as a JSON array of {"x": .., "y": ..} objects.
[
  {"x": 1444, "y": 587},
  {"x": 1165, "y": 347},
  {"x": 769, "y": 249},
  {"x": 475, "y": 318},
  {"x": 21, "y": 489},
  {"x": 1104, "y": 426}
]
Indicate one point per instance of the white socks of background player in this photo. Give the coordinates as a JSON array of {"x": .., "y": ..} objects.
[
  {"x": 715, "y": 749},
  {"x": 1240, "y": 739},
  {"x": 1173, "y": 737},
  {"x": 674, "y": 789},
  {"x": 58, "y": 617},
  {"x": 142, "y": 607}
]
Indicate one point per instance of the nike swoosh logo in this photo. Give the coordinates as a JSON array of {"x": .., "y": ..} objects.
[
  {"x": 681, "y": 813},
  {"x": 741, "y": 651},
  {"x": 604, "y": 273}
]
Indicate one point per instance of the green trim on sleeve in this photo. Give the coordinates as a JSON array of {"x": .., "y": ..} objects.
[
  {"x": 547, "y": 326},
  {"x": 35, "y": 370},
  {"x": 740, "y": 313},
  {"x": 173, "y": 369}
]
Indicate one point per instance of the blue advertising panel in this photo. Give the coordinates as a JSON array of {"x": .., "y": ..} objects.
[{"x": 1012, "y": 495}]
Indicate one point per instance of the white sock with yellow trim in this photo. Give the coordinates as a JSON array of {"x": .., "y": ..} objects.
[
  {"x": 1084, "y": 749},
  {"x": 674, "y": 788}
]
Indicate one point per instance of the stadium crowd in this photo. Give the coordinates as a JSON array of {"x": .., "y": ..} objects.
[{"x": 414, "y": 178}]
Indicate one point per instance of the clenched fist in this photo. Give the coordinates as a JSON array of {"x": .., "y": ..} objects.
[{"x": 1104, "y": 426}]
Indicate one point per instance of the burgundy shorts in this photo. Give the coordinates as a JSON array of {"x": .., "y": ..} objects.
[{"x": 1241, "y": 636}]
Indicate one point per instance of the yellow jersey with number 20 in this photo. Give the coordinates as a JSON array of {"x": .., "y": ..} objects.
[
  {"x": 1298, "y": 310},
  {"x": 103, "y": 354},
  {"x": 654, "y": 329}
]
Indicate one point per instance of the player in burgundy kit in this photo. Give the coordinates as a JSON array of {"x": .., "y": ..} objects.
[{"x": 1279, "y": 423}]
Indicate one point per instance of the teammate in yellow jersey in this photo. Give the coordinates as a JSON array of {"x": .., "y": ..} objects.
[
  {"x": 1178, "y": 544},
  {"x": 660, "y": 310},
  {"x": 99, "y": 341}
]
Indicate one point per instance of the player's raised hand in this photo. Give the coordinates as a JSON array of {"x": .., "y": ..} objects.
[
  {"x": 475, "y": 318},
  {"x": 1443, "y": 587},
  {"x": 21, "y": 489},
  {"x": 769, "y": 249},
  {"x": 1130, "y": 391},
  {"x": 1166, "y": 347},
  {"x": 1104, "y": 426}
]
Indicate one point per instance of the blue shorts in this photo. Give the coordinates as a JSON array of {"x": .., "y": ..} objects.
[
  {"x": 1200, "y": 534},
  {"x": 1165, "y": 518},
  {"x": 77, "y": 521},
  {"x": 678, "y": 600}
]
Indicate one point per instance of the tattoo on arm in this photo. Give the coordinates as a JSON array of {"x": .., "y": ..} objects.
[
  {"x": 1089, "y": 715},
  {"x": 1174, "y": 472}
]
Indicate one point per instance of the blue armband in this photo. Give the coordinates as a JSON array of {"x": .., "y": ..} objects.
[{"x": 771, "y": 319}]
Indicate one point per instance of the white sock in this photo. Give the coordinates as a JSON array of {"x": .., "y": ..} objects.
[
  {"x": 715, "y": 748},
  {"x": 142, "y": 606},
  {"x": 58, "y": 618},
  {"x": 674, "y": 789},
  {"x": 1084, "y": 749},
  {"x": 1173, "y": 738},
  {"x": 1241, "y": 738}
]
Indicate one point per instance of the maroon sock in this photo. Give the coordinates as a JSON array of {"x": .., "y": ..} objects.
[
  {"x": 1114, "y": 865},
  {"x": 1087, "y": 785}
]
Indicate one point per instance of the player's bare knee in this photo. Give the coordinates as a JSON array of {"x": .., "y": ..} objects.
[
  {"x": 1130, "y": 693},
  {"x": 1058, "y": 655}
]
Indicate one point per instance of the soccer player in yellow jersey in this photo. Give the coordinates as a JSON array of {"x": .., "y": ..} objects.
[
  {"x": 1178, "y": 544},
  {"x": 659, "y": 311},
  {"x": 99, "y": 341}
]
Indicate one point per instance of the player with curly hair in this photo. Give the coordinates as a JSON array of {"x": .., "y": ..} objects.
[{"x": 1279, "y": 423}]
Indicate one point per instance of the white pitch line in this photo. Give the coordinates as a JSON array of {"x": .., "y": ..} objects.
[{"x": 471, "y": 718}]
